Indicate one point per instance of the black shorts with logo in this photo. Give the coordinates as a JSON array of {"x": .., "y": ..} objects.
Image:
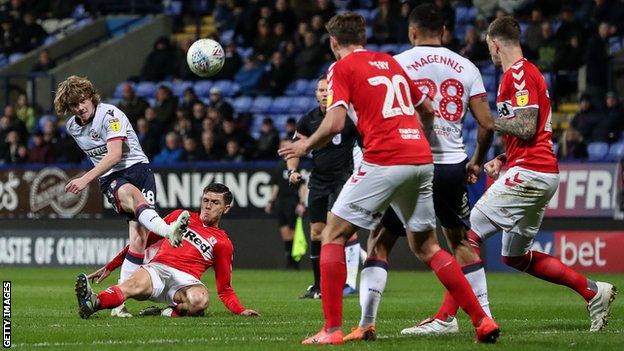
[
  {"x": 450, "y": 195},
  {"x": 321, "y": 198},
  {"x": 140, "y": 175}
]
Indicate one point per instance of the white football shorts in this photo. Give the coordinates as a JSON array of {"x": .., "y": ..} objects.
[
  {"x": 372, "y": 188},
  {"x": 166, "y": 281}
]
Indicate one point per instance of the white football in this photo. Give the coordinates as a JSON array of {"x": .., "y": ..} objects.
[{"x": 205, "y": 57}]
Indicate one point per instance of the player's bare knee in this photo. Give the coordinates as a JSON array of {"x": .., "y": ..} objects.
[
  {"x": 316, "y": 230},
  {"x": 197, "y": 299}
]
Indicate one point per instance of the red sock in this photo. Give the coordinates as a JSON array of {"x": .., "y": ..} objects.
[
  {"x": 553, "y": 270},
  {"x": 110, "y": 298},
  {"x": 333, "y": 278},
  {"x": 450, "y": 275},
  {"x": 449, "y": 305},
  {"x": 475, "y": 241}
]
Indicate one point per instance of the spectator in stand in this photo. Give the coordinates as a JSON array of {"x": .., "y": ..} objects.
[
  {"x": 572, "y": 146},
  {"x": 189, "y": 99},
  {"x": 182, "y": 70},
  {"x": 547, "y": 49},
  {"x": 278, "y": 74},
  {"x": 402, "y": 23},
  {"x": 317, "y": 26},
  {"x": 233, "y": 152},
  {"x": 191, "y": 152},
  {"x": 51, "y": 137},
  {"x": 166, "y": 106},
  {"x": 569, "y": 27},
  {"x": 160, "y": 64},
  {"x": 586, "y": 119},
  {"x": 533, "y": 34},
  {"x": 474, "y": 49},
  {"x": 596, "y": 60},
  {"x": 233, "y": 63},
  {"x": 208, "y": 149},
  {"x": 209, "y": 123},
  {"x": 268, "y": 141},
  {"x": 11, "y": 122},
  {"x": 217, "y": 102},
  {"x": 44, "y": 62},
  {"x": 326, "y": 9},
  {"x": 151, "y": 118},
  {"x": 611, "y": 124},
  {"x": 9, "y": 38},
  {"x": 248, "y": 77},
  {"x": 215, "y": 116},
  {"x": 449, "y": 41},
  {"x": 198, "y": 114},
  {"x": 172, "y": 152},
  {"x": 265, "y": 43},
  {"x": 383, "y": 23},
  {"x": 309, "y": 59},
  {"x": 290, "y": 128},
  {"x": 284, "y": 14},
  {"x": 448, "y": 13},
  {"x": 25, "y": 112},
  {"x": 245, "y": 142},
  {"x": 223, "y": 15},
  {"x": 184, "y": 128},
  {"x": 131, "y": 104},
  {"x": 31, "y": 33},
  {"x": 568, "y": 59},
  {"x": 40, "y": 152},
  {"x": 66, "y": 150},
  {"x": 280, "y": 35},
  {"x": 148, "y": 139},
  {"x": 11, "y": 153}
]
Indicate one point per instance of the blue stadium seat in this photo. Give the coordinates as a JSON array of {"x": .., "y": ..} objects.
[
  {"x": 280, "y": 121},
  {"x": 227, "y": 87},
  {"x": 242, "y": 104},
  {"x": 281, "y": 105},
  {"x": 364, "y": 13},
  {"x": 616, "y": 151},
  {"x": 388, "y": 48},
  {"x": 372, "y": 47},
  {"x": 489, "y": 82},
  {"x": 300, "y": 105},
  {"x": 202, "y": 88},
  {"x": 261, "y": 104},
  {"x": 597, "y": 151},
  {"x": 405, "y": 47},
  {"x": 178, "y": 87},
  {"x": 548, "y": 79},
  {"x": 244, "y": 52},
  {"x": 469, "y": 148},
  {"x": 291, "y": 89},
  {"x": 151, "y": 101},
  {"x": 486, "y": 67},
  {"x": 311, "y": 91},
  {"x": 301, "y": 87},
  {"x": 113, "y": 101},
  {"x": 469, "y": 121},
  {"x": 145, "y": 89},
  {"x": 15, "y": 57}
]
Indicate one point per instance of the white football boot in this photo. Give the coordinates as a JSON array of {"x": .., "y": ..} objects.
[
  {"x": 599, "y": 307},
  {"x": 178, "y": 228},
  {"x": 432, "y": 326},
  {"x": 121, "y": 311}
]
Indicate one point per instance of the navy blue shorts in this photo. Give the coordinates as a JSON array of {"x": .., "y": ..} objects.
[
  {"x": 450, "y": 195},
  {"x": 139, "y": 175}
]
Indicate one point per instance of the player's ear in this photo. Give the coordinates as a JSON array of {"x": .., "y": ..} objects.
[
  {"x": 412, "y": 34},
  {"x": 227, "y": 209}
]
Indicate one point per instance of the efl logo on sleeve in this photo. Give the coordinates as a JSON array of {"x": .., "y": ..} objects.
[
  {"x": 522, "y": 97},
  {"x": 6, "y": 314},
  {"x": 114, "y": 125}
]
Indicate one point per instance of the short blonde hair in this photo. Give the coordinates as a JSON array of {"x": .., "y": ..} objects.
[{"x": 71, "y": 92}]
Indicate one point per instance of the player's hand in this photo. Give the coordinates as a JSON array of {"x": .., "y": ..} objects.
[
  {"x": 300, "y": 210},
  {"x": 249, "y": 313},
  {"x": 295, "y": 178},
  {"x": 268, "y": 208},
  {"x": 99, "y": 275},
  {"x": 493, "y": 167},
  {"x": 75, "y": 186},
  {"x": 297, "y": 149},
  {"x": 473, "y": 170}
]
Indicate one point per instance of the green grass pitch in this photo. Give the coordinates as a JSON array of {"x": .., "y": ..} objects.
[{"x": 533, "y": 315}]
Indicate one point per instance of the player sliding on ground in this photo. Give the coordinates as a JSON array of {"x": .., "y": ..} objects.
[
  {"x": 373, "y": 90},
  {"x": 104, "y": 133},
  {"x": 516, "y": 202},
  {"x": 173, "y": 275}
]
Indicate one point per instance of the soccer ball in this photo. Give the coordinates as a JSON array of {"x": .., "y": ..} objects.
[{"x": 205, "y": 57}]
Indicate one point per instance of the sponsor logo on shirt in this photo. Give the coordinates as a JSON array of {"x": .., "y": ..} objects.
[
  {"x": 204, "y": 245},
  {"x": 409, "y": 133},
  {"x": 94, "y": 134},
  {"x": 379, "y": 64},
  {"x": 505, "y": 110},
  {"x": 96, "y": 151}
]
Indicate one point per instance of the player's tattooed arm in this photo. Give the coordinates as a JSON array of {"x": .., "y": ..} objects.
[{"x": 523, "y": 125}]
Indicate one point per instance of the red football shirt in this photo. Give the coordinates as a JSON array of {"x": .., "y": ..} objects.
[
  {"x": 523, "y": 86},
  {"x": 381, "y": 100},
  {"x": 203, "y": 247}
]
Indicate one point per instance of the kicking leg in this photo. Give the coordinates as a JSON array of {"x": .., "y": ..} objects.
[{"x": 132, "y": 261}]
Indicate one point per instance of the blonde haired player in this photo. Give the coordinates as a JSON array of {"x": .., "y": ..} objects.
[{"x": 105, "y": 135}]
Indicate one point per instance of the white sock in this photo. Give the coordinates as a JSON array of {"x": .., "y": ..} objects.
[
  {"x": 479, "y": 287},
  {"x": 363, "y": 255},
  {"x": 151, "y": 220},
  {"x": 131, "y": 263},
  {"x": 352, "y": 256},
  {"x": 372, "y": 284}
]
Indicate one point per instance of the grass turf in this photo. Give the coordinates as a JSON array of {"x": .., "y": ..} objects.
[{"x": 533, "y": 315}]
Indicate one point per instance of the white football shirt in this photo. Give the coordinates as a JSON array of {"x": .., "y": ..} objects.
[
  {"x": 109, "y": 123},
  {"x": 450, "y": 80}
]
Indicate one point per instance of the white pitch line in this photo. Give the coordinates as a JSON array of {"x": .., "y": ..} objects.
[{"x": 150, "y": 341}]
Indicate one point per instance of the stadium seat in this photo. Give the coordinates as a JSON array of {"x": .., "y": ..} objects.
[
  {"x": 146, "y": 89},
  {"x": 242, "y": 104},
  {"x": 300, "y": 105},
  {"x": 388, "y": 48},
  {"x": 151, "y": 101},
  {"x": 364, "y": 13},
  {"x": 616, "y": 151},
  {"x": 597, "y": 151},
  {"x": 119, "y": 89},
  {"x": 311, "y": 91},
  {"x": 15, "y": 57},
  {"x": 372, "y": 47},
  {"x": 261, "y": 104},
  {"x": 291, "y": 89},
  {"x": 227, "y": 87},
  {"x": 469, "y": 121},
  {"x": 202, "y": 88},
  {"x": 178, "y": 87},
  {"x": 548, "y": 78},
  {"x": 489, "y": 82},
  {"x": 244, "y": 52},
  {"x": 405, "y": 47},
  {"x": 298, "y": 88},
  {"x": 280, "y": 105}
]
